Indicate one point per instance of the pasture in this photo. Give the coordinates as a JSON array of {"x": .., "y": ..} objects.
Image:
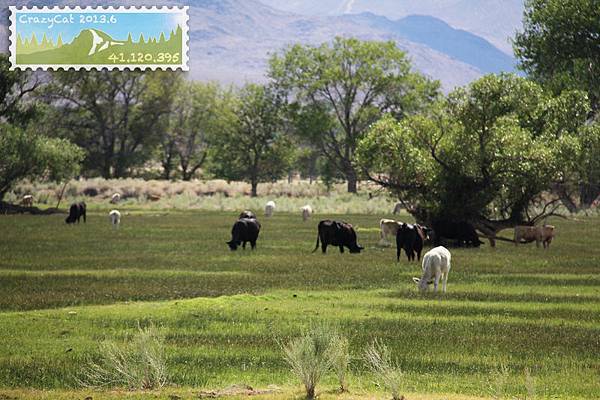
[{"x": 64, "y": 289}]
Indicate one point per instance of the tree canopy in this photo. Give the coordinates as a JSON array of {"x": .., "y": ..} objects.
[
  {"x": 486, "y": 154},
  {"x": 345, "y": 86}
]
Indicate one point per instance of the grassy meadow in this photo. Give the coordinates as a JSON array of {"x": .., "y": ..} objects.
[{"x": 65, "y": 289}]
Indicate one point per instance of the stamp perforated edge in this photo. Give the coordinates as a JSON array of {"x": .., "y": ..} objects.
[{"x": 183, "y": 66}]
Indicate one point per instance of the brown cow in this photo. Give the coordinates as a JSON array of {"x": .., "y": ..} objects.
[{"x": 539, "y": 234}]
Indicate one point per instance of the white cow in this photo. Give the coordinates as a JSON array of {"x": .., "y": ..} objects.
[
  {"x": 306, "y": 212},
  {"x": 388, "y": 227},
  {"x": 115, "y": 198},
  {"x": 115, "y": 218},
  {"x": 269, "y": 208},
  {"x": 436, "y": 265}
]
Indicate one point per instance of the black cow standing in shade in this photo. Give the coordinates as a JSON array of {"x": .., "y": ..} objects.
[
  {"x": 244, "y": 230},
  {"x": 76, "y": 211},
  {"x": 461, "y": 231},
  {"x": 410, "y": 238},
  {"x": 339, "y": 234}
]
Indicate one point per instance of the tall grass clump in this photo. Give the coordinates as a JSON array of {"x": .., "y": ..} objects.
[
  {"x": 319, "y": 350},
  {"x": 386, "y": 371},
  {"x": 139, "y": 364}
]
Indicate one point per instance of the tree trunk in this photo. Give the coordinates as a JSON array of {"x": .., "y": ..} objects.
[
  {"x": 254, "y": 189},
  {"x": 352, "y": 181}
]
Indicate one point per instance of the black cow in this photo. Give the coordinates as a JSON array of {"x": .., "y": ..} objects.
[
  {"x": 463, "y": 232},
  {"x": 410, "y": 238},
  {"x": 337, "y": 234},
  {"x": 247, "y": 214},
  {"x": 243, "y": 231},
  {"x": 76, "y": 211}
]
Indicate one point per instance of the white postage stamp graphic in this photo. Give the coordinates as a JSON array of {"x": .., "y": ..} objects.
[{"x": 99, "y": 37}]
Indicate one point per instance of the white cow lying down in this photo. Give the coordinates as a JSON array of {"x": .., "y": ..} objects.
[
  {"x": 115, "y": 218},
  {"x": 436, "y": 264}
]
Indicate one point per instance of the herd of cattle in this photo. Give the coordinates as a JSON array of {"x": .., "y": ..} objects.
[{"x": 409, "y": 237}]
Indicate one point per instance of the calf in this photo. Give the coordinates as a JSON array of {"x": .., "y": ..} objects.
[
  {"x": 339, "y": 234},
  {"x": 269, "y": 208},
  {"x": 540, "y": 234},
  {"x": 115, "y": 218},
  {"x": 306, "y": 212},
  {"x": 244, "y": 230},
  {"x": 27, "y": 200},
  {"x": 410, "y": 238},
  {"x": 388, "y": 227},
  {"x": 76, "y": 211},
  {"x": 436, "y": 265}
]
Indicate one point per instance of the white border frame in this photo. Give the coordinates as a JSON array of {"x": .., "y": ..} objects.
[{"x": 88, "y": 67}]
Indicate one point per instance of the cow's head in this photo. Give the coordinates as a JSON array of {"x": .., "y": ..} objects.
[
  {"x": 233, "y": 245},
  {"x": 69, "y": 220},
  {"x": 422, "y": 285},
  {"x": 356, "y": 248}
]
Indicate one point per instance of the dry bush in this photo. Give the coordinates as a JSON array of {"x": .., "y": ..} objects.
[
  {"x": 386, "y": 371},
  {"x": 139, "y": 364}
]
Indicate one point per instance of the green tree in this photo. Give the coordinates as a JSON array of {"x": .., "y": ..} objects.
[
  {"x": 485, "y": 155},
  {"x": 347, "y": 85},
  {"x": 255, "y": 148},
  {"x": 27, "y": 154},
  {"x": 558, "y": 47},
  {"x": 16, "y": 90},
  {"x": 117, "y": 117},
  {"x": 199, "y": 111}
]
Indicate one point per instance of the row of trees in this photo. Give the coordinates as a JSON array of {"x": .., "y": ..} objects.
[{"x": 489, "y": 153}]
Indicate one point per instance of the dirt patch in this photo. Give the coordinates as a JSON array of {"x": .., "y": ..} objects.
[{"x": 237, "y": 390}]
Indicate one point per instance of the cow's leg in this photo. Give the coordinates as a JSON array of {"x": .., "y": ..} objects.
[
  {"x": 436, "y": 282},
  {"x": 445, "y": 279},
  {"x": 537, "y": 243},
  {"x": 324, "y": 247},
  {"x": 342, "y": 249},
  {"x": 253, "y": 244},
  {"x": 244, "y": 245},
  {"x": 398, "y": 253}
]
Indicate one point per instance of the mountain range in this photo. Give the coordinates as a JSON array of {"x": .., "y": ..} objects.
[{"x": 231, "y": 40}]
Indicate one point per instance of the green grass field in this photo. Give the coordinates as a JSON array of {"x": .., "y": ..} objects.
[{"x": 64, "y": 289}]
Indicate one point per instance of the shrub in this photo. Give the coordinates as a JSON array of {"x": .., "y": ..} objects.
[
  {"x": 310, "y": 356},
  {"x": 340, "y": 360},
  {"x": 386, "y": 371},
  {"x": 139, "y": 364}
]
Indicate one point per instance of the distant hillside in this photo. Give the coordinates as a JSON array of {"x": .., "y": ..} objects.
[
  {"x": 494, "y": 20},
  {"x": 231, "y": 40}
]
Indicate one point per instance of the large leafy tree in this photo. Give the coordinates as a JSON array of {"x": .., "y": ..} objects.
[
  {"x": 255, "y": 148},
  {"x": 116, "y": 116},
  {"x": 343, "y": 87},
  {"x": 16, "y": 87},
  {"x": 487, "y": 154},
  {"x": 559, "y": 48}
]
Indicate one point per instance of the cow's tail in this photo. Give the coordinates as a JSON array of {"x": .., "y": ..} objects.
[{"x": 317, "y": 246}]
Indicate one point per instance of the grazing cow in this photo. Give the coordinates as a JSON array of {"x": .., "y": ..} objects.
[
  {"x": 115, "y": 218},
  {"x": 436, "y": 265},
  {"x": 76, "y": 211},
  {"x": 247, "y": 214},
  {"x": 115, "y": 198},
  {"x": 539, "y": 234},
  {"x": 27, "y": 200},
  {"x": 463, "y": 232},
  {"x": 397, "y": 208},
  {"x": 244, "y": 230},
  {"x": 306, "y": 212},
  {"x": 269, "y": 208},
  {"x": 388, "y": 227},
  {"x": 337, "y": 234},
  {"x": 410, "y": 238}
]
